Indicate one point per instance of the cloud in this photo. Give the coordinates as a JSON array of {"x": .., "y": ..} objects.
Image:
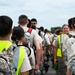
[{"x": 48, "y": 13}]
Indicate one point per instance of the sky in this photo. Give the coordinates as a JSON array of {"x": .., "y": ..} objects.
[{"x": 49, "y": 13}]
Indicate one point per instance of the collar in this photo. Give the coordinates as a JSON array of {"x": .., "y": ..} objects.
[{"x": 25, "y": 28}]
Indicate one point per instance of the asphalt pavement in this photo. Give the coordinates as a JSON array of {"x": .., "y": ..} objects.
[{"x": 51, "y": 71}]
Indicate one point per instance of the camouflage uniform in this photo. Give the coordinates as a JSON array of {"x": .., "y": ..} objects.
[
  {"x": 6, "y": 59},
  {"x": 61, "y": 67}
]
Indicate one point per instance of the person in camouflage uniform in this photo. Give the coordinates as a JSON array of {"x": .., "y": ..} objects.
[{"x": 58, "y": 56}]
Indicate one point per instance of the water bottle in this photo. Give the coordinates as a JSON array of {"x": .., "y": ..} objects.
[{"x": 56, "y": 66}]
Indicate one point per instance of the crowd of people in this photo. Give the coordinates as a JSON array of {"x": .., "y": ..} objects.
[{"x": 26, "y": 47}]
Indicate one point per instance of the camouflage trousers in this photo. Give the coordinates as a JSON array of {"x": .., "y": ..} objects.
[{"x": 61, "y": 67}]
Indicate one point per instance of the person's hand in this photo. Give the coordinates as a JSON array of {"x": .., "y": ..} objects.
[
  {"x": 55, "y": 61},
  {"x": 68, "y": 72},
  {"x": 36, "y": 67}
]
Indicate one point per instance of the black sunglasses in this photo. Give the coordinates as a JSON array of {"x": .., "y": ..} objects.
[{"x": 33, "y": 23}]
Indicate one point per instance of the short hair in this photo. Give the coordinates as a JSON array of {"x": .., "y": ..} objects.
[
  {"x": 29, "y": 24},
  {"x": 18, "y": 32},
  {"x": 23, "y": 19},
  {"x": 64, "y": 25},
  {"x": 41, "y": 28},
  {"x": 71, "y": 22},
  {"x": 5, "y": 25},
  {"x": 33, "y": 19},
  {"x": 55, "y": 28},
  {"x": 58, "y": 32},
  {"x": 45, "y": 31}
]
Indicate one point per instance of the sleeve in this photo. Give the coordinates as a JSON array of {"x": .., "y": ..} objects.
[
  {"x": 73, "y": 46},
  {"x": 55, "y": 42},
  {"x": 71, "y": 43},
  {"x": 40, "y": 39},
  {"x": 26, "y": 64},
  {"x": 50, "y": 37},
  {"x": 65, "y": 42},
  {"x": 36, "y": 37},
  {"x": 47, "y": 39}
]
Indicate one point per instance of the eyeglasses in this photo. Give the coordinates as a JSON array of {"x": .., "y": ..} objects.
[{"x": 33, "y": 23}]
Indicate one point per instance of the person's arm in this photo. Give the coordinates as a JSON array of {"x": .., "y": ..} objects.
[
  {"x": 55, "y": 52},
  {"x": 24, "y": 73},
  {"x": 41, "y": 51},
  {"x": 38, "y": 55},
  {"x": 38, "y": 50},
  {"x": 68, "y": 72},
  {"x": 55, "y": 45},
  {"x": 41, "y": 47}
]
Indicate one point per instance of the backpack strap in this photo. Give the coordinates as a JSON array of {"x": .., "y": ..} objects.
[
  {"x": 18, "y": 59},
  {"x": 29, "y": 51},
  {"x": 29, "y": 30},
  {"x": 44, "y": 35},
  {"x": 69, "y": 35},
  {"x": 39, "y": 32}
]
